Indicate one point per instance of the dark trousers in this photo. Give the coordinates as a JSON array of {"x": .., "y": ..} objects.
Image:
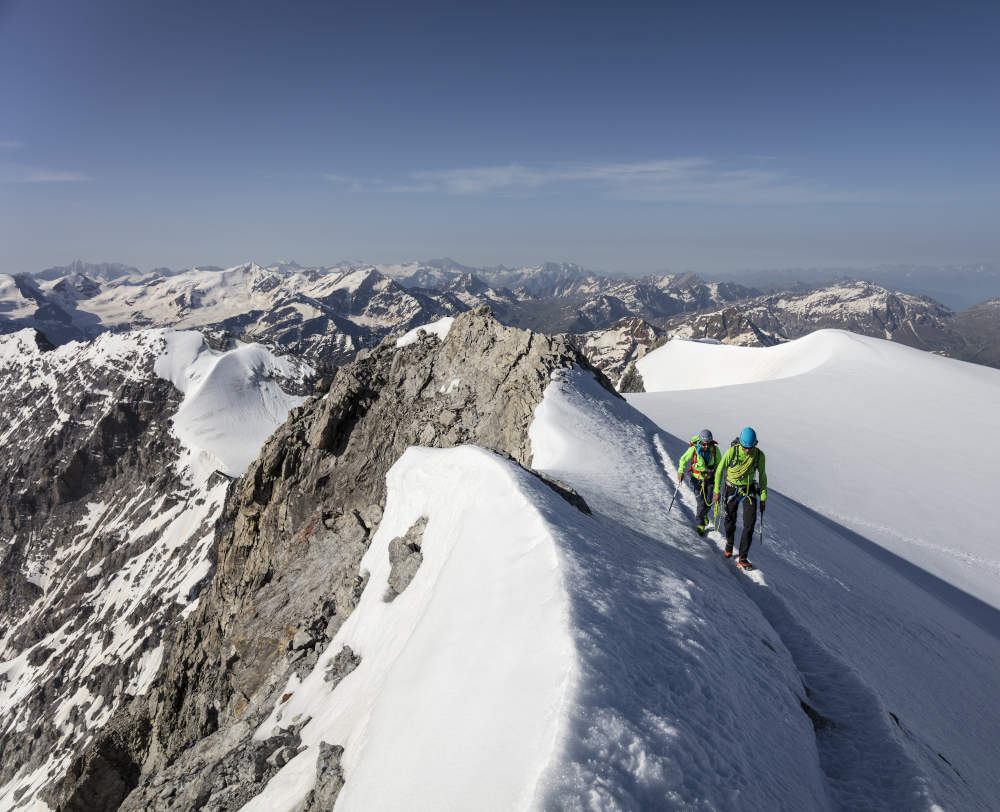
[
  {"x": 732, "y": 498},
  {"x": 703, "y": 492}
]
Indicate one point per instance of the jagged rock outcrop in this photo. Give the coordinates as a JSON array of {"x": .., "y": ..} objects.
[
  {"x": 631, "y": 380},
  {"x": 293, "y": 530},
  {"x": 405, "y": 558}
]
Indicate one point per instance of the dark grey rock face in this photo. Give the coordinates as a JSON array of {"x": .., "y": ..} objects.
[
  {"x": 631, "y": 380},
  {"x": 289, "y": 543},
  {"x": 329, "y": 780},
  {"x": 405, "y": 559},
  {"x": 342, "y": 665}
]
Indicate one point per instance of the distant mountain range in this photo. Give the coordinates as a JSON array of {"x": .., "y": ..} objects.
[
  {"x": 957, "y": 286},
  {"x": 328, "y": 314}
]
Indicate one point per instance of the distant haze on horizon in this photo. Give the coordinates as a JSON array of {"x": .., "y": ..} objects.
[{"x": 635, "y": 138}]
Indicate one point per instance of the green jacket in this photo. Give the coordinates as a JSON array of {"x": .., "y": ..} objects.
[
  {"x": 699, "y": 470},
  {"x": 739, "y": 466}
]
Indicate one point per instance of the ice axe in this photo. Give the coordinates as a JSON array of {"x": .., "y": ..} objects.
[{"x": 675, "y": 495}]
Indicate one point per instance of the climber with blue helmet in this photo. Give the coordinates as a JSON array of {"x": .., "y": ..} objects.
[
  {"x": 745, "y": 484},
  {"x": 701, "y": 459}
]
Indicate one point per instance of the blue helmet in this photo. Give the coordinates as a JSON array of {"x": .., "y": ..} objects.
[{"x": 748, "y": 438}]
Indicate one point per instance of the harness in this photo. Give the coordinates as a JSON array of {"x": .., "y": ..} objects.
[
  {"x": 709, "y": 469},
  {"x": 751, "y": 493},
  {"x": 743, "y": 468}
]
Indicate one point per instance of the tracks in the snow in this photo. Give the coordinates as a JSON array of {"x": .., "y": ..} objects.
[
  {"x": 863, "y": 760},
  {"x": 865, "y": 765}
]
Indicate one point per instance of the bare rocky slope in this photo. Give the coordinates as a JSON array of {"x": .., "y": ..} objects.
[
  {"x": 286, "y": 564},
  {"x": 614, "y": 349},
  {"x": 104, "y": 539},
  {"x": 980, "y": 326}
]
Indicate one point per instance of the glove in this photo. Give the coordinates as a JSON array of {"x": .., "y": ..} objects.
[
  {"x": 716, "y": 498},
  {"x": 680, "y": 478},
  {"x": 763, "y": 505}
]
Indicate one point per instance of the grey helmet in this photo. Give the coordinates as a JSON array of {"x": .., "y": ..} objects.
[{"x": 705, "y": 436}]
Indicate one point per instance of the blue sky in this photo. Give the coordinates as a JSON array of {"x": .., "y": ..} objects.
[{"x": 625, "y": 136}]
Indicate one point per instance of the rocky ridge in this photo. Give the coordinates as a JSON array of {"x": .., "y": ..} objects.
[{"x": 287, "y": 550}]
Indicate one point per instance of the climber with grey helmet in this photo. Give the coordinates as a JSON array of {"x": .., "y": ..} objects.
[
  {"x": 701, "y": 459},
  {"x": 741, "y": 466}
]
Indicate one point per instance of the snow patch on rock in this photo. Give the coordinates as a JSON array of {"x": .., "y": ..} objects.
[{"x": 438, "y": 328}]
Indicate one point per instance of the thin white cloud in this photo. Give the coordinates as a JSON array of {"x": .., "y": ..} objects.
[
  {"x": 354, "y": 184},
  {"x": 10, "y": 144},
  {"x": 16, "y": 173},
  {"x": 54, "y": 176},
  {"x": 667, "y": 180}
]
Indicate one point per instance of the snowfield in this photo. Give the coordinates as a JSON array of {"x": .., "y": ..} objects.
[
  {"x": 543, "y": 658},
  {"x": 232, "y": 400},
  {"x": 894, "y": 443}
]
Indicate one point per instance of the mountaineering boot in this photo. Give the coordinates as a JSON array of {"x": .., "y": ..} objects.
[
  {"x": 729, "y": 549},
  {"x": 743, "y": 564},
  {"x": 700, "y": 529}
]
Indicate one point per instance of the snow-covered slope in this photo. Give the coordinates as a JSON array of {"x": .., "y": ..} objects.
[
  {"x": 542, "y": 658},
  {"x": 894, "y": 443},
  {"x": 14, "y": 305},
  {"x": 233, "y": 400},
  {"x": 109, "y": 498}
]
